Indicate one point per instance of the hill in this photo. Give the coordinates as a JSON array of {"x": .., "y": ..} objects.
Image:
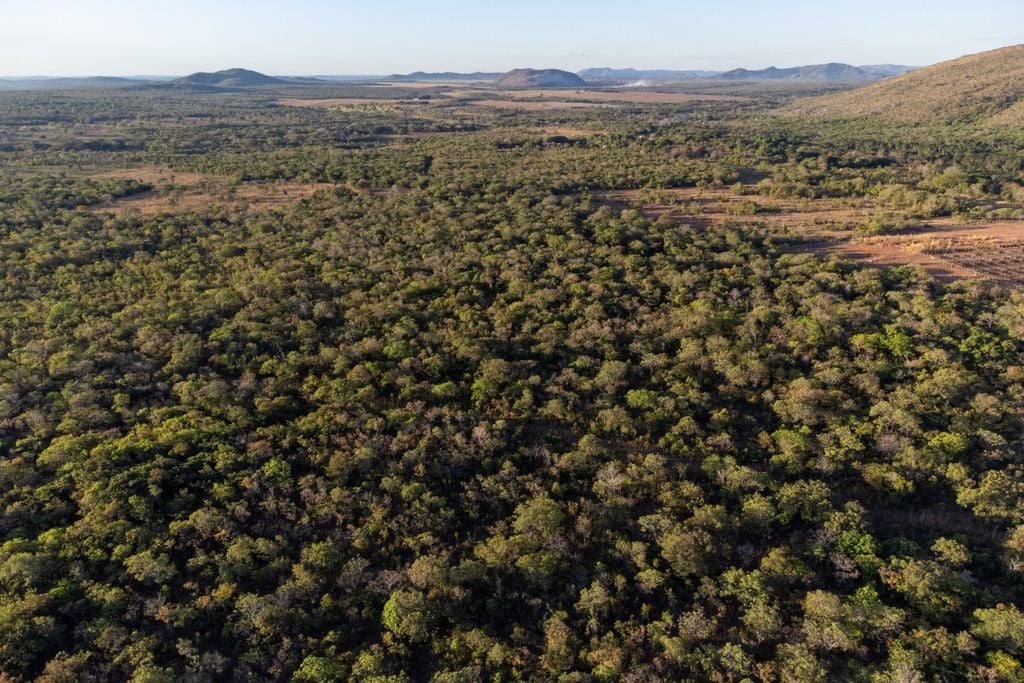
[
  {"x": 229, "y": 78},
  {"x": 540, "y": 78},
  {"x": 831, "y": 72},
  {"x": 987, "y": 87}
]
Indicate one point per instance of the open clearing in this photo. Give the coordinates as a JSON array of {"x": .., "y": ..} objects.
[
  {"x": 947, "y": 247},
  {"x": 346, "y": 101},
  {"x": 527, "y": 100},
  {"x": 177, "y": 191},
  {"x": 628, "y": 96},
  {"x": 522, "y": 105},
  {"x": 530, "y": 105}
]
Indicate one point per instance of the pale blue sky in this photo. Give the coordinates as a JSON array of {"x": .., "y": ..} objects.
[{"x": 119, "y": 37}]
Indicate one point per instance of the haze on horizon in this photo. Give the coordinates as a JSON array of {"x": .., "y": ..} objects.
[{"x": 118, "y": 37}]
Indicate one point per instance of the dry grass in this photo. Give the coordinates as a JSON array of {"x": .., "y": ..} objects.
[
  {"x": 527, "y": 105},
  {"x": 176, "y": 192},
  {"x": 700, "y": 205},
  {"x": 155, "y": 175},
  {"x": 347, "y": 102},
  {"x": 595, "y": 96},
  {"x": 986, "y": 86},
  {"x": 948, "y": 248},
  {"x": 526, "y": 100},
  {"x": 426, "y": 85},
  {"x": 993, "y": 250}
]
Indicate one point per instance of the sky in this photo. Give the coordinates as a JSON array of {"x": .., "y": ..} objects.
[{"x": 309, "y": 37}]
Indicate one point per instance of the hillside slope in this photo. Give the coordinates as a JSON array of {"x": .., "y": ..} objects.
[{"x": 985, "y": 88}]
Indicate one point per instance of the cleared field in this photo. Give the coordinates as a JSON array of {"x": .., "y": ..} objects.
[
  {"x": 526, "y": 100},
  {"x": 706, "y": 206},
  {"x": 631, "y": 96},
  {"x": 155, "y": 175},
  {"x": 346, "y": 101},
  {"x": 426, "y": 85},
  {"x": 993, "y": 258},
  {"x": 530, "y": 105},
  {"x": 176, "y": 192},
  {"x": 948, "y": 247}
]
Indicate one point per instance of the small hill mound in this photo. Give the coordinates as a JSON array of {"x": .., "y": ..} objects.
[
  {"x": 815, "y": 73},
  {"x": 229, "y": 78},
  {"x": 986, "y": 88},
  {"x": 540, "y": 78}
]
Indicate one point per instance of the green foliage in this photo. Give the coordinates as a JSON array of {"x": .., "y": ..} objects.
[
  {"x": 458, "y": 415},
  {"x": 1002, "y": 625},
  {"x": 407, "y": 614}
]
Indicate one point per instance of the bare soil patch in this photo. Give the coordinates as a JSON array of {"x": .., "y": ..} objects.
[
  {"x": 569, "y": 94},
  {"x": 948, "y": 247},
  {"x": 530, "y": 105},
  {"x": 176, "y": 192},
  {"x": 426, "y": 85},
  {"x": 808, "y": 217},
  {"x": 347, "y": 101},
  {"x": 155, "y": 175}
]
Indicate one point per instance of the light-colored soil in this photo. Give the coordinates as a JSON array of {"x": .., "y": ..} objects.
[
  {"x": 635, "y": 96},
  {"x": 700, "y": 205},
  {"x": 529, "y": 105},
  {"x": 948, "y": 247},
  {"x": 155, "y": 175},
  {"x": 426, "y": 85},
  {"x": 535, "y": 100},
  {"x": 568, "y": 131},
  {"x": 347, "y": 102},
  {"x": 176, "y": 192},
  {"x": 573, "y": 95}
]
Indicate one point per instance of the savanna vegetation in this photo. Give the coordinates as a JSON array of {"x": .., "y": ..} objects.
[{"x": 455, "y": 417}]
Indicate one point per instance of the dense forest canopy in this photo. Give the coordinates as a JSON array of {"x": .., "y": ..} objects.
[{"x": 453, "y": 415}]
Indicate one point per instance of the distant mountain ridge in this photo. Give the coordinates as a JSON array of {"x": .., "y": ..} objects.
[
  {"x": 813, "y": 73},
  {"x": 986, "y": 88},
  {"x": 608, "y": 73},
  {"x": 245, "y": 78},
  {"x": 831, "y": 72}
]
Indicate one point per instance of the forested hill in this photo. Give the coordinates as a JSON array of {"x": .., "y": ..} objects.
[{"x": 228, "y": 78}]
